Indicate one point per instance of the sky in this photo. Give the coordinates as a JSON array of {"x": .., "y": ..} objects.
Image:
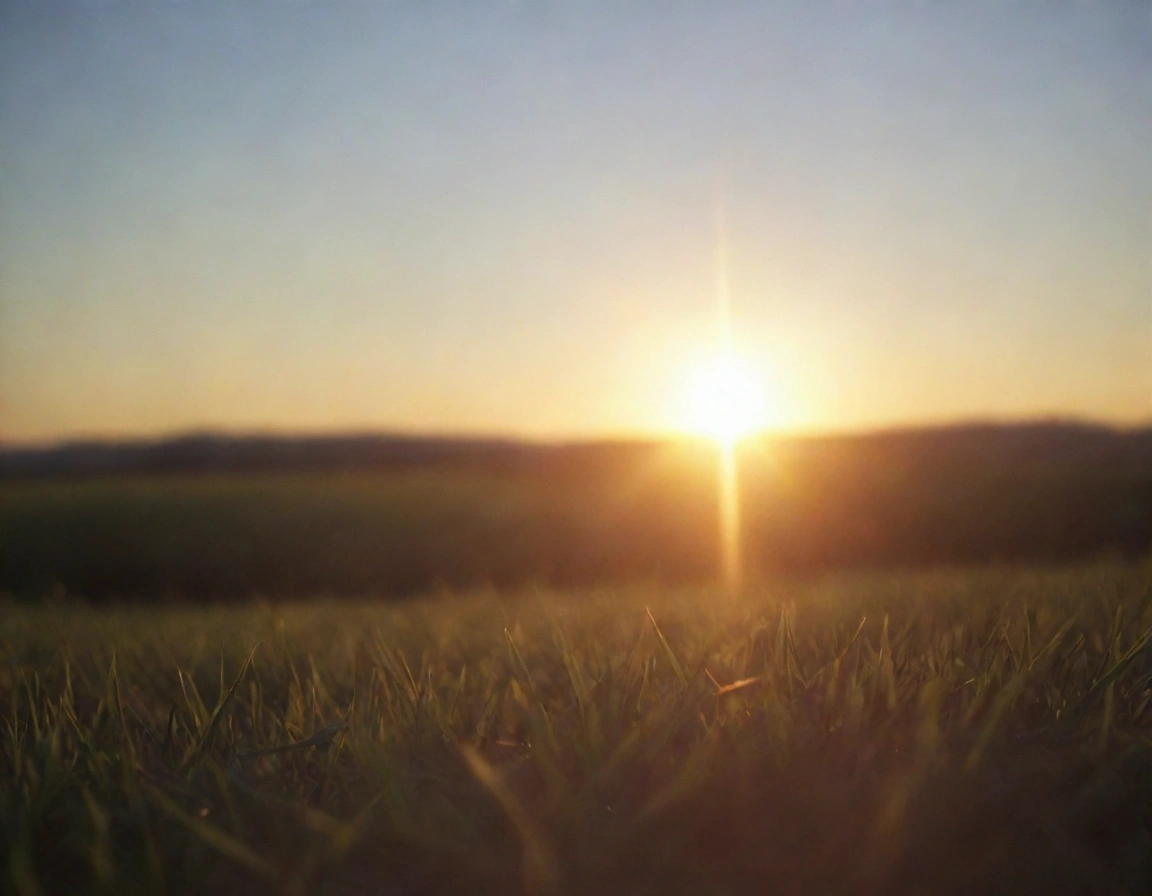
[{"x": 505, "y": 218}]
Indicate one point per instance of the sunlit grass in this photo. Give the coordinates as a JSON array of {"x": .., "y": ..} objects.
[{"x": 951, "y": 732}]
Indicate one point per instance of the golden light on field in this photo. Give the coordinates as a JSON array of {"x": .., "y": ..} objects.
[
  {"x": 731, "y": 559},
  {"x": 725, "y": 401}
]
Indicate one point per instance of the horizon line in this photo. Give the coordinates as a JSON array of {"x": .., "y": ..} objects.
[{"x": 509, "y": 438}]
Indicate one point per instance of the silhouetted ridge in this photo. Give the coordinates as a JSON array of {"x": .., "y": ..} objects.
[{"x": 1048, "y": 444}]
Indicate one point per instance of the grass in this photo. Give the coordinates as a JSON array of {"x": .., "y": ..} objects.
[{"x": 950, "y": 732}]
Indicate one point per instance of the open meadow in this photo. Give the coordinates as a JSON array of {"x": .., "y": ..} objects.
[
  {"x": 960, "y": 732},
  {"x": 627, "y": 449}
]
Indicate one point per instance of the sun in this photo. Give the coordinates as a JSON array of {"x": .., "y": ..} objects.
[{"x": 725, "y": 400}]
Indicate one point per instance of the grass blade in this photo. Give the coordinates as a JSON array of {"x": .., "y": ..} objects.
[
  {"x": 223, "y": 843},
  {"x": 214, "y": 721},
  {"x": 672, "y": 661}
]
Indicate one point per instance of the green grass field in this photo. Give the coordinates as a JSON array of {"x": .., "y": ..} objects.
[{"x": 951, "y": 732}]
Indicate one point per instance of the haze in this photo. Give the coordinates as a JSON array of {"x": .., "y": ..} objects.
[{"x": 438, "y": 217}]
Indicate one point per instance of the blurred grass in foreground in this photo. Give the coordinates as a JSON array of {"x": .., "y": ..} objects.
[{"x": 947, "y": 733}]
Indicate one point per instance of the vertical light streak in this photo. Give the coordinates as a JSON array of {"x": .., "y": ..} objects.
[{"x": 731, "y": 561}]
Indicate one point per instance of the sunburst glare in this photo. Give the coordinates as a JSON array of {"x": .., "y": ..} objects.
[{"x": 725, "y": 400}]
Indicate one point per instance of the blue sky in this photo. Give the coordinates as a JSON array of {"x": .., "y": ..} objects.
[{"x": 502, "y": 217}]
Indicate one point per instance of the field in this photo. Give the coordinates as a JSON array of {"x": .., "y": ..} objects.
[
  {"x": 212, "y": 519},
  {"x": 962, "y": 732}
]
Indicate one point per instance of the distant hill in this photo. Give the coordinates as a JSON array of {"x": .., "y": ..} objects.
[
  {"x": 214, "y": 453},
  {"x": 1048, "y": 444}
]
